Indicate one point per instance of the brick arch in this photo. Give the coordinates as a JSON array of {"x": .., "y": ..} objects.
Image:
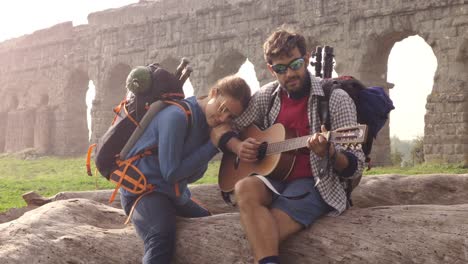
[
  {"x": 373, "y": 65},
  {"x": 114, "y": 84},
  {"x": 11, "y": 102},
  {"x": 114, "y": 87},
  {"x": 225, "y": 64},
  {"x": 72, "y": 132},
  {"x": 170, "y": 64},
  {"x": 461, "y": 57},
  {"x": 107, "y": 97}
]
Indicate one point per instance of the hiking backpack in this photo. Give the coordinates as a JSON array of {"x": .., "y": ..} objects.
[
  {"x": 149, "y": 89},
  {"x": 372, "y": 105}
]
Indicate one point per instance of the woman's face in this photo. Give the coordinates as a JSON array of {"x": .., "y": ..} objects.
[{"x": 221, "y": 109}]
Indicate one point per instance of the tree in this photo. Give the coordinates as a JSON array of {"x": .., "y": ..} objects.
[
  {"x": 417, "y": 151},
  {"x": 396, "y": 157}
]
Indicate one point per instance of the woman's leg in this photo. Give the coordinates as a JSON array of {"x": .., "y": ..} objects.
[
  {"x": 191, "y": 209},
  {"x": 154, "y": 221}
]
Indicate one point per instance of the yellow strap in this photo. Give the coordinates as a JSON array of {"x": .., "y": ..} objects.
[{"x": 135, "y": 204}]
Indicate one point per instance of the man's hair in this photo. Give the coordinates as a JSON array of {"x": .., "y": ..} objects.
[
  {"x": 234, "y": 87},
  {"x": 282, "y": 42}
]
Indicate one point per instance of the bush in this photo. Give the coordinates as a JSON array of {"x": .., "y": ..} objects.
[
  {"x": 396, "y": 157},
  {"x": 417, "y": 151}
]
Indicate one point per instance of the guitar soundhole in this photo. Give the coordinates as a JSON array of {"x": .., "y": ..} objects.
[{"x": 262, "y": 151}]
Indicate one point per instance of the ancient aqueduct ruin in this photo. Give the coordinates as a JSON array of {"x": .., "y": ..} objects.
[{"x": 45, "y": 75}]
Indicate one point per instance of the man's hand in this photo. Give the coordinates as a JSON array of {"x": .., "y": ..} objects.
[
  {"x": 247, "y": 150},
  {"x": 318, "y": 144},
  {"x": 218, "y": 131}
]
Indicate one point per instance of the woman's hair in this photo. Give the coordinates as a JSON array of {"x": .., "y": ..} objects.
[
  {"x": 282, "y": 42},
  {"x": 235, "y": 87}
]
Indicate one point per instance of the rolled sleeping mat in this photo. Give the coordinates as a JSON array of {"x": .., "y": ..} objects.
[{"x": 183, "y": 63}]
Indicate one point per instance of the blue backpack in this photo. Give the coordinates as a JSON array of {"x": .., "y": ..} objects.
[{"x": 372, "y": 105}]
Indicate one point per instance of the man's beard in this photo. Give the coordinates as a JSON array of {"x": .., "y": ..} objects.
[
  {"x": 299, "y": 83},
  {"x": 302, "y": 89}
]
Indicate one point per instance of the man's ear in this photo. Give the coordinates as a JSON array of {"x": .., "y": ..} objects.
[
  {"x": 307, "y": 59},
  {"x": 270, "y": 69}
]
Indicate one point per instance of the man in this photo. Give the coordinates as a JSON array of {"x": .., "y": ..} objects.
[{"x": 268, "y": 218}]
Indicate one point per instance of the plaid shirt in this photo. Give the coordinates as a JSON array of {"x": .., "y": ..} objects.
[{"x": 342, "y": 114}]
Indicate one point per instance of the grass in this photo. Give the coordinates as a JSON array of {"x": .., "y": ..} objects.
[
  {"x": 49, "y": 176},
  {"x": 427, "y": 168}
]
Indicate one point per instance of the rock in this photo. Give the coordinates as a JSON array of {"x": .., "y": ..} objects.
[
  {"x": 85, "y": 231},
  {"x": 390, "y": 234},
  {"x": 70, "y": 229}
]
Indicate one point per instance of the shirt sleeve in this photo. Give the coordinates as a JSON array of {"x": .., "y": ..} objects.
[
  {"x": 174, "y": 167},
  {"x": 254, "y": 113},
  {"x": 343, "y": 114}
]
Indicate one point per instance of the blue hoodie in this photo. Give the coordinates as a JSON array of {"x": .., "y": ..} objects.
[{"x": 180, "y": 160}]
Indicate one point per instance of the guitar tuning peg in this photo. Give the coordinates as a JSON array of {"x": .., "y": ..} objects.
[
  {"x": 359, "y": 146},
  {"x": 351, "y": 146}
]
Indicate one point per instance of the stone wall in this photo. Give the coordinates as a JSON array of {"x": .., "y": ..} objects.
[{"x": 218, "y": 36}]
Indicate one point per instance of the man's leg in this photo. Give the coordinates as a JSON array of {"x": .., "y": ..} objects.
[
  {"x": 293, "y": 215},
  {"x": 154, "y": 221},
  {"x": 290, "y": 216},
  {"x": 286, "y": 225},
  {"x": 253, "y": 199}
]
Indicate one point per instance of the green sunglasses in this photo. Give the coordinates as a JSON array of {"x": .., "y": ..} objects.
[{"x": 293, "y": 65}]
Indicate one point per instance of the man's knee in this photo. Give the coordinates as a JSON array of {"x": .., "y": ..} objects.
[{"x": 251, "y": 191}]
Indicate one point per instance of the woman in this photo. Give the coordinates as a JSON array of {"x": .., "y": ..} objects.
[{"x": 183, "y": 156}]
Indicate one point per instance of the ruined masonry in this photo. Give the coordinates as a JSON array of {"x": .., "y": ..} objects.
[{"x": 44, "y": 76}]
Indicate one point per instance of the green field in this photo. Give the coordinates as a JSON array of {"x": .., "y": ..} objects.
[{"x": 49, "y": 176}]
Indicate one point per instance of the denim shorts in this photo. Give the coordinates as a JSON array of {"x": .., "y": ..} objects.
[{"x": 305, "y": 210}]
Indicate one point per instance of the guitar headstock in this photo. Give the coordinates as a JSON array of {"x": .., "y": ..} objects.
[{"x": 349, "y": 135}]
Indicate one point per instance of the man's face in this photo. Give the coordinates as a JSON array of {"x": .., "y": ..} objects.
[{"x": 293, "y": 78}]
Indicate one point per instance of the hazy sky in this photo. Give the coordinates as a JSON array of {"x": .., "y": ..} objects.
[
  {"x": 411, "y": 67},
  {"x": 19, "y": 17}
]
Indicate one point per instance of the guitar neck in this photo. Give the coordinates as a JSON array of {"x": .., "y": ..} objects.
[{"x": 288, "y": 145}]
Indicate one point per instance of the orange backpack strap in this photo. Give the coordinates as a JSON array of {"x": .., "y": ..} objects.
[
  {"x": 138, "y": 186},
  {"x": 187, "y": 111},
  {"x": 130, "y": 116},
  {"x": 172, "y": 95},
  {"x": 117, "y": 109},
  {"x": 123, "y": 106},
  {"x": 88, "y": 159}
]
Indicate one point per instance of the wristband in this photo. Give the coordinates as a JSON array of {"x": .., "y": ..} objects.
[{"x": 225, "y": 139}]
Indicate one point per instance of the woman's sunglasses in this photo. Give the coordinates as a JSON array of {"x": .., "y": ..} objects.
[
  {"x": 223, "y": 109},
  {"x": 293, "y": 65}
]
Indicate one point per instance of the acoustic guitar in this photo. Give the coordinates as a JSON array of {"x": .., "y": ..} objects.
[{"x": 277, "y": 152}]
